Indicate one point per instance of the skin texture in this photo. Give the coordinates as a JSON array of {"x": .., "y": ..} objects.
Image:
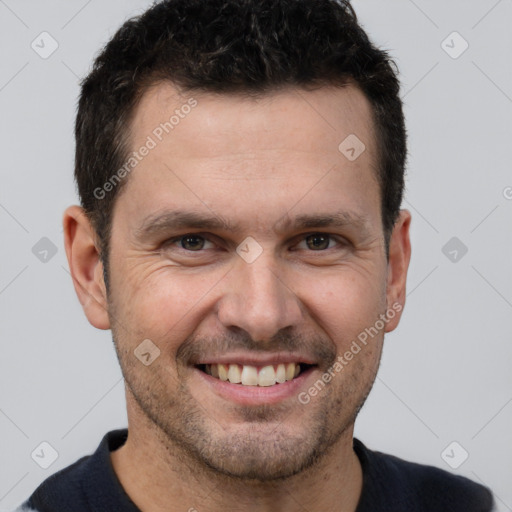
[{"x": 252, "y": 162}]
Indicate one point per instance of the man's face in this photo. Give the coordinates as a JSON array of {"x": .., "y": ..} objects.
[{"x": 294, "y": 292}]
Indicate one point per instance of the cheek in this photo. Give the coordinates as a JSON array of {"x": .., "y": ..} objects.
[
  {"x": 161, "y": 303},
  {"x": 345, "y": 302}
]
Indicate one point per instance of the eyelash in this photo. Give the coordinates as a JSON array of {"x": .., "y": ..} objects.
[{"x": 340, "y": 241}]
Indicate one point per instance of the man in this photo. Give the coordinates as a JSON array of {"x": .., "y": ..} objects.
[{"x": 240, "y": 166}]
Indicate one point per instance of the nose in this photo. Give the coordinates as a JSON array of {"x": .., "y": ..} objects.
[{"x": 259, "y": 300}]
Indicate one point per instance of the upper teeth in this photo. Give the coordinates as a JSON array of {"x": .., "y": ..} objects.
[{"x": 253, "y": 375}]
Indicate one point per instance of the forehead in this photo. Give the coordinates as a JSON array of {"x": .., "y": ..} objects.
[
  {"x": 308, "y": 120},
  {"x": 239, "y": 155}
]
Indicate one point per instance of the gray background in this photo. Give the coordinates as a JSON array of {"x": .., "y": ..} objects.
[{"x": 445, "y": 373}]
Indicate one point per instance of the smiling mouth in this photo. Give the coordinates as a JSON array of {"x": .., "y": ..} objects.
[{"x": 247, "y": 375}]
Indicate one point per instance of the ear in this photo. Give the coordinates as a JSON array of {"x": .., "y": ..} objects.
[
  {"x": 398, "y": 264},
  {"x": 85, "y": 266}
]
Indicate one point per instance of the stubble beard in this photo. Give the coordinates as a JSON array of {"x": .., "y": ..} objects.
[{"x": 261, "y": 447}]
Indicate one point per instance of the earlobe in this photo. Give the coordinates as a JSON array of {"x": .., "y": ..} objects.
[
  {"x": 85, "y": 266},
  {"x": 398, "y": 265}
]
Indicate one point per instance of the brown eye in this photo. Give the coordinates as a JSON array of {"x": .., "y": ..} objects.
[
  {"x": 192, "y": 242},
  {"x": 318, "y": 241}
]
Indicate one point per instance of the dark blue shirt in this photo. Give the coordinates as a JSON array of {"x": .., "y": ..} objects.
[{"x": 389, "y": 484}]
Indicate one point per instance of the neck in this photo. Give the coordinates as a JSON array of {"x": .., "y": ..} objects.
[{"x": 155, "y": 472}]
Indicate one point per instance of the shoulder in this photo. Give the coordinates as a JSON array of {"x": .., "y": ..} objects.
[
  {"x": 418, "y": 487},
  {"x": 71, "y": 488},
  {"x": 60, "y": 491}
]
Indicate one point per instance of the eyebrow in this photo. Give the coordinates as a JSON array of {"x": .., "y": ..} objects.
[{"x": 162, "y": 222}]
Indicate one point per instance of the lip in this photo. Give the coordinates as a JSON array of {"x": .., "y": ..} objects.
[
  {"x": 255, "y": 360},
  {"x": 255, "y": 395}
]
